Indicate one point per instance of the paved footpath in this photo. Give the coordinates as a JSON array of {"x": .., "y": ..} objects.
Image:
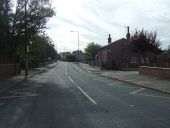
[
  {"x": 132, "y": 77},
  {"x": 15, "y": 80}
]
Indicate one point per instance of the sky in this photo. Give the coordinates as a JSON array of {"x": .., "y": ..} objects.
[{"x": 95, "y": 19}]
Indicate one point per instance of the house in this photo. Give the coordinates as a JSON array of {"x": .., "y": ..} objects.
[
  {"x": 63, "y": 55},
  {"x": 79, "y": 55},
  {"x": 116, "y": 55}
]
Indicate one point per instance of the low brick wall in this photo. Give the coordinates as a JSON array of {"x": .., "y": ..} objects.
[
  {"x": 7, "y": 70},
  {"x": 155, "y": 71}
]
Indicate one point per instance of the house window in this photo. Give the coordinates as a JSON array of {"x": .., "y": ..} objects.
[
  {"x": 133, "y": 60},
  {"x": 143, "y": 61}
]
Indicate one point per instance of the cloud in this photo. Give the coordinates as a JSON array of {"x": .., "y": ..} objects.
[{"x": 94, "y": 19}]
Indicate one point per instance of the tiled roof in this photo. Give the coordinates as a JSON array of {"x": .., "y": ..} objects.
[{"x": 122, "y": 40}]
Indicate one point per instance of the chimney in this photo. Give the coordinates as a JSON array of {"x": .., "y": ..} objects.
[
  {"x": 128, "y": 33},
  {"x": 109, "y": 39}
]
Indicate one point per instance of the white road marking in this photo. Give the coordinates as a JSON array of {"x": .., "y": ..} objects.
[
  {"x": 23, "y": 89},
  {"x": 94, "y": 102},
  {"x": 110, "y": 84},
  {"x": 7, "y": 97},
  {"x": 136, "y": 91},
  {"x": 70, "y": 79},
  {"x": 23, "y": 93},
  {"x": 79, "y": 88},
  {"x": 119, "y": 85},
  {"x": 141, "y": 89},
  {"x": 20, "y": 94},
  {"x": 104, "y": 74},
  {"x": 99, "y": 79},
  {"x": 163, "y": 97}
]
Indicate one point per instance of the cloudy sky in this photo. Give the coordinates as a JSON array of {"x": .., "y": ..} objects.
[{"x": 94, "y": 19}]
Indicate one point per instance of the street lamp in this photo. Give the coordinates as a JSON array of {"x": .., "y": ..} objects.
[{"x": 78, "y": 46}]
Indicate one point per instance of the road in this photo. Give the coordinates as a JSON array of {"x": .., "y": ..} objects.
[{"x": 66, "y": 96}]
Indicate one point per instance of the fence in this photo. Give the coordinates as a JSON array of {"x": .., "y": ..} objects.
[{"x": 9, "y": 67}]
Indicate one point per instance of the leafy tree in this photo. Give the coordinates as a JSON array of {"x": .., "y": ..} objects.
[
  {"x": 36, "y": 17},
  {"x": 91, "y": 51},
  {"x": 143, "y": 42},
  {"x": 167, "y": 51},
  {"x": 42, "y": 49},
  {"x": 15, "y": 25},
  {"x": 71, "y": 57},
  {"x": 5, "y": 10}
]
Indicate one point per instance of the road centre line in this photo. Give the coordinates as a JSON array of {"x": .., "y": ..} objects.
[
  {"x": 70, "y": 79},
  {"x": 136, "y": 91},
  {"x": 79, "y": 88},
  {"x": 94, "y": 102}
]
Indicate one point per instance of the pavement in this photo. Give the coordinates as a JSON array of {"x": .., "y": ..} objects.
[
  {"x": 17, "y": 79},
  {"x": 132, "y": 77}
]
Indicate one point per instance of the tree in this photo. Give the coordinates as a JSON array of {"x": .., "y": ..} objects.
[
  {"x": 71, "y": 57},
  {"x": 91, "y": 51},
  {"x": 42, "y": 49},
  {"x": 15, "y": 24},
  {"x": 167, "y": 51},
  {"x": 35, "y": 19},
  {"x": 5, "y": 10},
  {"x": 143, "y": 42}
]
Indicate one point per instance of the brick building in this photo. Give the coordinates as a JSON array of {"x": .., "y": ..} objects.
[{"x": 116, "y": 55}]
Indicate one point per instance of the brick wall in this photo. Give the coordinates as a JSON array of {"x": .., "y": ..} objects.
[
  {"x": 155, "y": 71},
  {"x": 8, "y": 70}
]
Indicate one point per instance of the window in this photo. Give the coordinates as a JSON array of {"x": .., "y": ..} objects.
[
  {"x": 143, "y": 61},
  {"x": 133, "y": 60}
]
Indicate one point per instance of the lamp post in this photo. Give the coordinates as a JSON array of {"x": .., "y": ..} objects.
[{"x": 78, "y": 46}]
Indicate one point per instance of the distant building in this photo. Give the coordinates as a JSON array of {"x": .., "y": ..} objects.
[
  {"x": 79, "y": 55},
  {"x": 63, "y": 55}
]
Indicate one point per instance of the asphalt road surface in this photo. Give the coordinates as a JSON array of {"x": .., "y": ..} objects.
[{"x": 68, "y": 97}]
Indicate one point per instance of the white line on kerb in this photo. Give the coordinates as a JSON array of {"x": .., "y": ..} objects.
[{"x": 80, "y": 89}]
